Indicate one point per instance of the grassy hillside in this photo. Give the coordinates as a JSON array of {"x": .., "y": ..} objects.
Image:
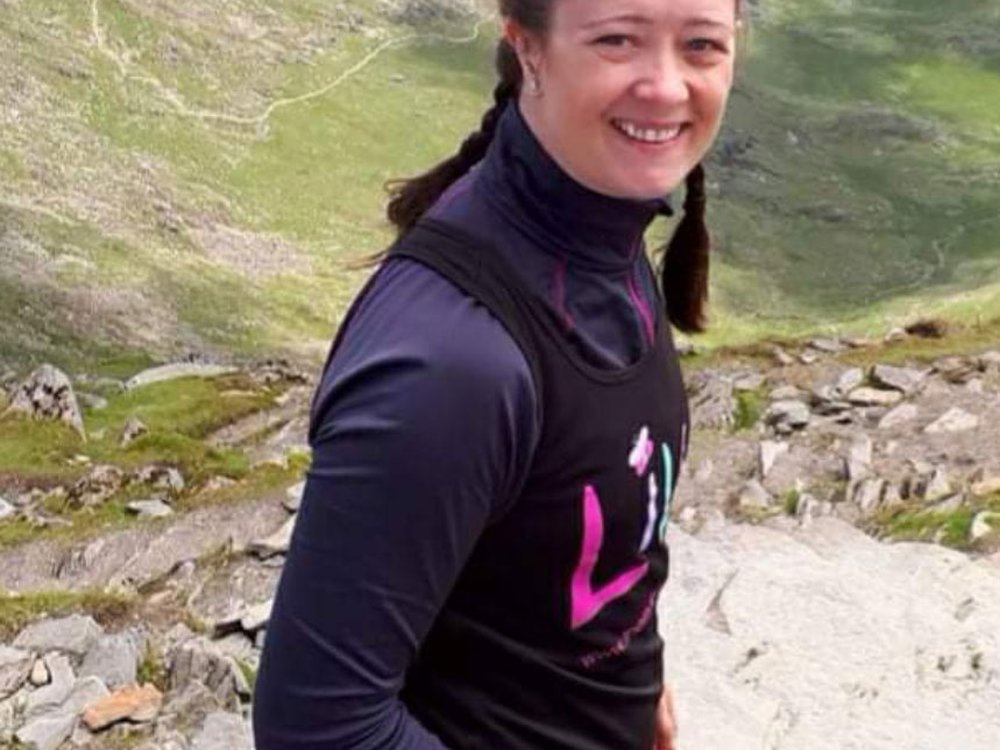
[
  {"x": 859, "y": 171},
  {"x": 178, "y": 176}
]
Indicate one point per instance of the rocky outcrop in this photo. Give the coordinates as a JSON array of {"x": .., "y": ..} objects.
[
  {"x": 831, "y": 640},
  {"x": 48, "y": 394}
]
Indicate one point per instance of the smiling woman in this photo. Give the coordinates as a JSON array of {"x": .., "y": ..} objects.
[{"x": 501, "y": 422}]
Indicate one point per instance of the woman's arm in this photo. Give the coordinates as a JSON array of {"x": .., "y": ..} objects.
[{"x": 425, "y": 425}]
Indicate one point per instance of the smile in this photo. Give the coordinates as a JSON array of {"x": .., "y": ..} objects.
[{"x": 647, "y": 134}]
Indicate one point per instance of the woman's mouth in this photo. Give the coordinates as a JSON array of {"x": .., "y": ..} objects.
[{"x": 659, "y": 134}]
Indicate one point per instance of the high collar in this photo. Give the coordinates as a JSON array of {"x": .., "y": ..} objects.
[{"x": 556, "y": 212}]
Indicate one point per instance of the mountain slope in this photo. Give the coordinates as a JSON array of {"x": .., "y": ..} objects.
[{"x": 182, "y": 178}]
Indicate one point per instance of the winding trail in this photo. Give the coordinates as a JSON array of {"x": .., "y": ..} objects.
[{"x": 260, "y": 120}]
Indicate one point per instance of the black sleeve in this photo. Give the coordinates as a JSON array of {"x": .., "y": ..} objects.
[{"x": 425, "y": 425}]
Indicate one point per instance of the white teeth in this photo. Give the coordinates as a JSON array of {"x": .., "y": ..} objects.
[{"x": 647, "y": 135}]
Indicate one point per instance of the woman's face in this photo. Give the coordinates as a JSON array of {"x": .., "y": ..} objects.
[{"x": 631, "y": 92}]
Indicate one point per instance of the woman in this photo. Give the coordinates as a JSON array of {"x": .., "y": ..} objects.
[{"x": 501, "y": 421}]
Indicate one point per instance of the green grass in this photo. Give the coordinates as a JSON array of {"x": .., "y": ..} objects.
[
  {"x": 109, "y": 609},
  {"x": 750, "y": 405},
  {"x": 112, "y": 514},
  {"x": 916, "y": 523},
  {"x": 179, "y": 414}
]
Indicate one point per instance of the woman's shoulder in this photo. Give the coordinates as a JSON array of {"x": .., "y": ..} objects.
[{"x": 414, "y": 331}]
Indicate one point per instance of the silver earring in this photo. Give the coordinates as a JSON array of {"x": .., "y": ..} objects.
[{"x": 534, "y": 84}]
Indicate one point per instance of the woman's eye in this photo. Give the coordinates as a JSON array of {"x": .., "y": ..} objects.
[
  {"x": 613, "y": 40},
  {"x": 703, "y": 44}
]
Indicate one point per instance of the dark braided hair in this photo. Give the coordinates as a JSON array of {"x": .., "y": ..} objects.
[
  {"x": 411, "y": 198},
  {"x": 684, "y": 267}
]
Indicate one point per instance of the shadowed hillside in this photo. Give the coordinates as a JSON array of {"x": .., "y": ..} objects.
[{"x": 179, "y": 178}]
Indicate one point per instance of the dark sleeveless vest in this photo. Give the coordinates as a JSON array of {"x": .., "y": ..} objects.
[{"x": 548, "y": 640}]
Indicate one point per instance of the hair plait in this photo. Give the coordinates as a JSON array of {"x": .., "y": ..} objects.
[{"x": 684, "y": 270}]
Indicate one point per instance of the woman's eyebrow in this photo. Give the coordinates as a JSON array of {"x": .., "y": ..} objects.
[
  {"x": 711, "y": 22},
  {"x": 621, "y": 18}
]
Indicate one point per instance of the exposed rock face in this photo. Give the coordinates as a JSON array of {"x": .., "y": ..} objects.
[
  {"x": 74, "y": 634},
  {"x": 177, "y": 370},
  {"x": 712, "y": 402},
  {"x": 48, "y": 394},
  {"x": 822, "y": 652}
]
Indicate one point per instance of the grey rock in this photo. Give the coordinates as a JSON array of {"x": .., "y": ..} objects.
[
  {"x": 849, "y": 380},
  {"x": 891, "y": 496},
  {"x": 223, "y": 731},
  {"x": 246, "y": 619},
  {"x": 874, "y": 397},
  {"x": 897, "y": 416},
  {"x": 7, "y": 510},
  {"x": 809, "y": 356},
  {"x": 953, "y": 420},
  {"x": 903, "y": 379},
  {"x": 15, "y": 666},
  {"x": 989, "y": 362},
  {"x": 293, "y": 497},
  {"x": 98, "y": 485},
  {"x": 873, "y": 626},
  {"x": 276, "y": 544},
  {"x": 949, "y": 504},
  {"x": 257, "y": 617},
  {"x": 8, "y": 718},
  {"x": 858, "y": 461},
  {"x": 134, "y": 428},
  {"x": 808, "y": 506},
  {"x": 167, "y": 478},
  {"x": 48, "y": 394},
  {"x": 781, "y": 356},
  {"x": 46, "y": 732},
  {"x": 236, "y": 645},
  {"x": 52, "y": 696},
  {"x": 937, "y": 486},
  {"x": 86, "y": 690},
  {"x": 785, "y": 393},
  {"x": 197, "y": 660},
  {"x": 984, "y": 524},
  {"x": 113, "y": 659},
  {"x": 983, "y": 484},
  {"x": 787, "y": 415},
  {"x": 830, "y": 346},
  {"x": 258, "y": 641},
  {"x": 39, "y": 673},
  {"x": 152, "y": 508},
  {"x": 175, "y": 371},
  {"x": 955, "y": 369},
  {"x": 753, "y": 496},
  {"x": 749, "y": 382},
  {"x": 896, "y": 334},
  {"x": 75, "y": 634},
  {"x": 769, "y": 452},
  {"x": 867, "y": 494},
  {"x": 713, "y": 404}
]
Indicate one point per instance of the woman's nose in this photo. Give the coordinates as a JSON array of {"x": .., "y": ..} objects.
[{"x": 664, "y": 79}]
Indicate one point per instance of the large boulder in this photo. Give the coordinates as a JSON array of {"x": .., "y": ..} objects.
[
  {"x": 48, "y": 394},
  {"x": 831, "y": 640}
]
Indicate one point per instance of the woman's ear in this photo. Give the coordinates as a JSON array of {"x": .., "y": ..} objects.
[{"x": 528, "y": 49}]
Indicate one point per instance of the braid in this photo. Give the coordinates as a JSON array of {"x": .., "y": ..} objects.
[
  {"x": 412, "y": 198},
  {"x": 684, "y": 272}
]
